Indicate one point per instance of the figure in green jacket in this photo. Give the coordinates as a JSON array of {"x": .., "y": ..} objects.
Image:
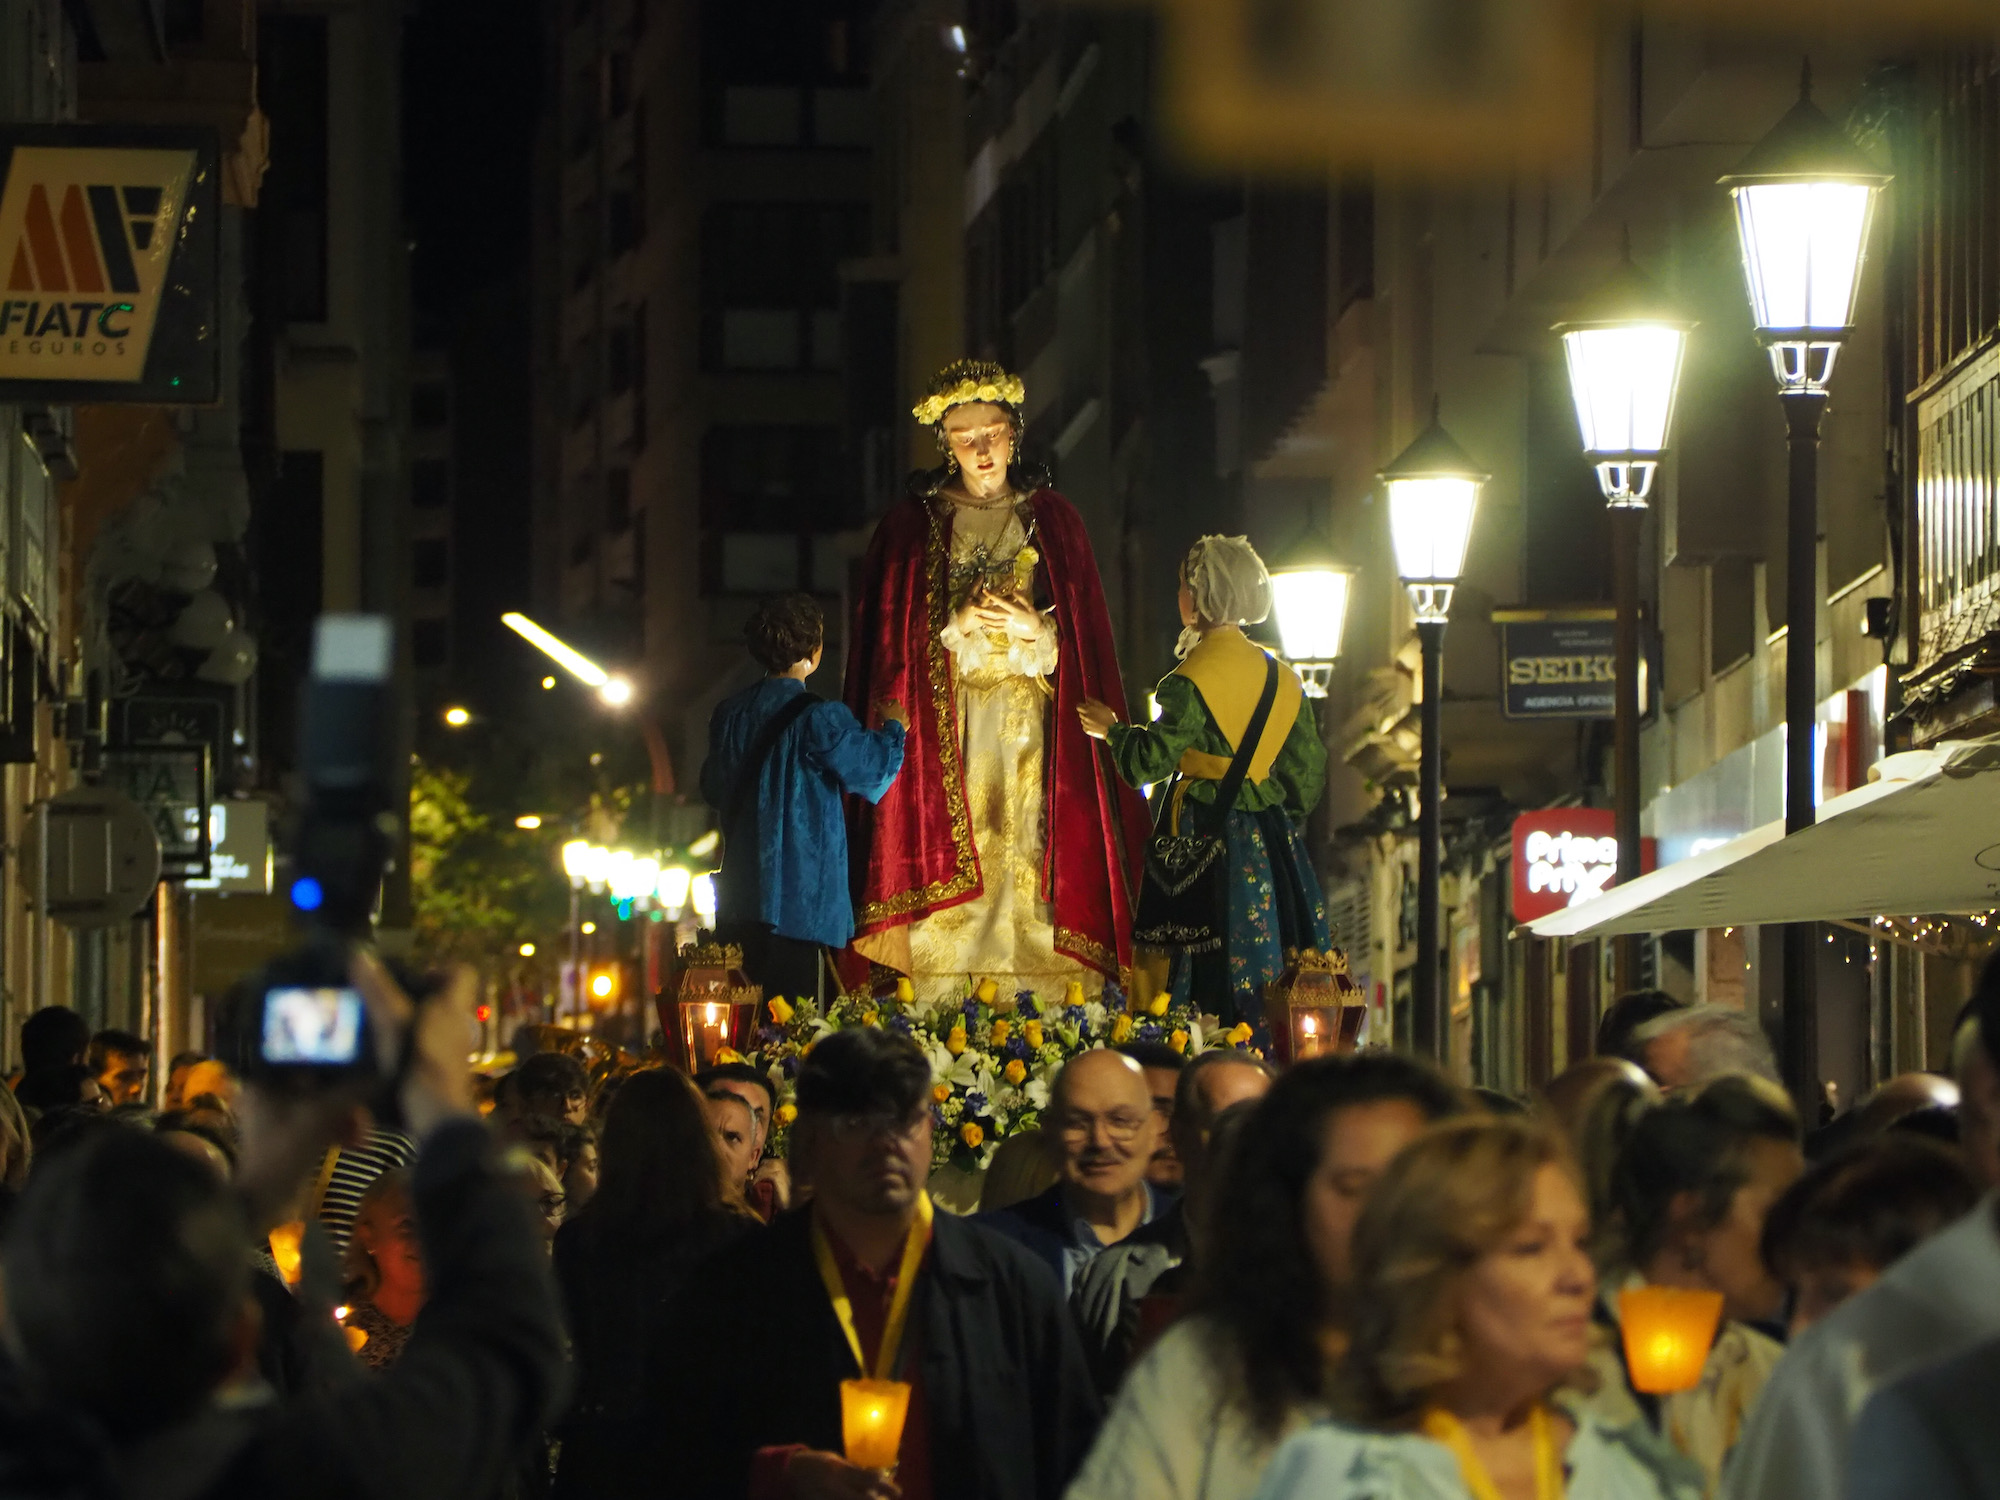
[{"x": 1274, "y": 902}]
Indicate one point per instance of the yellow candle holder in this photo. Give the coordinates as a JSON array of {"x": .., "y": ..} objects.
[
  {"x": 872, "y": 1413},
  {"x": 287, "y": 1242},
  {"x": 1668, "y": 1331}
]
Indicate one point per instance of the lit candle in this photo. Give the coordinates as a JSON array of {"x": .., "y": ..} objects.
[
  {"x": 871, "y": 1421},
  {"x": 1668, "y": 1332},
  {"x": 285, "y": 1242}
]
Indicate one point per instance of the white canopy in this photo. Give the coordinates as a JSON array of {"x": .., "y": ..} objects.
[{"x": 1924, "y": 836}]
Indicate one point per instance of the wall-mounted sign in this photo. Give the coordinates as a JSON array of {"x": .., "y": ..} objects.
[
  {"x": 1565, "y": 855},
  {"x": 239, "y": 853},
  {"x": 109, "y": 264},
  {"x": 171, "y": 783},
  {"x": 1557, "y": 663}
]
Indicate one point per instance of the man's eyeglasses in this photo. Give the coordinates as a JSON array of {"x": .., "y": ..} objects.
[
  {"x": 1120, "y": 1125},
  {"x": 848, "y": 1128}
]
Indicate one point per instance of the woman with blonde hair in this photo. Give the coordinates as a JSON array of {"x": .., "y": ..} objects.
[{"x": 1471, "y": 1310}]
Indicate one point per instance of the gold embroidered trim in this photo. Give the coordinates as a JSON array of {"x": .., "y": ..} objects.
[
  {"x": 966, "y": 877},
  {"x": 1092, "y": 952}
]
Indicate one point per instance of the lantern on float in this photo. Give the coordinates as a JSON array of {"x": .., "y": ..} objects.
[
  {"x": 1314, "y": 1006},
  {"x": 718, "y": 1003}
]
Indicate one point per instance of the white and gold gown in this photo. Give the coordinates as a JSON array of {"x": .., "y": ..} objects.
[{"x": 1007, "y": 932}]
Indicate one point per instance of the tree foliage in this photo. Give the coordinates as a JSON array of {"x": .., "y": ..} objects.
[{"x": 480, "y": 886}]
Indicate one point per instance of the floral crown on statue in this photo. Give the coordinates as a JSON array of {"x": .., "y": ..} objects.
[{"x": 967, "y": 380}]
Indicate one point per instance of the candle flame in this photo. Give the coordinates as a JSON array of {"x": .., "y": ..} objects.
[
  {"x": 1309, "y": 1025},
  {"x": 713, "y": 1013}
]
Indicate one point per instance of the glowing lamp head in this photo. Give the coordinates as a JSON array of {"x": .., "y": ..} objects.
[
  {"x": 1433, "y": 488},
  {"x": 616, "y": 692},
  {"x": 1309, "y": 593},
  {"x": 1805, "y": 197},
  {"x": 600, "y": 985},
  {"x": 1624, "y": 350},
  {"x": 529, "y": 821},
  {"x": 576, "y": 858},
  {"x": 458, "y": 716},
  {"x": 702, "y": 892},
  {"x": 527, "y": 950},
  {"x": 675, "y": 884}
]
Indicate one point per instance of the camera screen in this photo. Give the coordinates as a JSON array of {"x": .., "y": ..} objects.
[{"x": 314, "y": 1027}]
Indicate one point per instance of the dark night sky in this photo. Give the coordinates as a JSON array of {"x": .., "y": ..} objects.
[{"x": 472, "y": 79}]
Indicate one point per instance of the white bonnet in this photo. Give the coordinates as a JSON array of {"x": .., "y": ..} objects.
[{"x": 1229, "y": 582}]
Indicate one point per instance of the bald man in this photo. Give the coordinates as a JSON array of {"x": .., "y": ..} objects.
[{"x": 1104, "y": 1130}]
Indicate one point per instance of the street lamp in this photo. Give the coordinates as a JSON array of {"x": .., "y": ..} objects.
[
  {"x": 1309, "y": 592},
  {"x": 616, "y": 691},
  {"x": 1805, "y": 196},
  {"x": 1625, "y": 349},
  {"x": 1432, "y": 490}
]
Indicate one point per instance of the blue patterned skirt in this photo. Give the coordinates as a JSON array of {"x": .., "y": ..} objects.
[{"x": 1274, "y": 904}]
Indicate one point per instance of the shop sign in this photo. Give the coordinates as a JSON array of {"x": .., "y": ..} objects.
[
  {"x": 1567, "y": 855},
  {"x": 1559, "y": 663},
  {"x": 239, "y": 838},
  {"x": 171, "y": 783},
  {"x": 109, "y": 264}
]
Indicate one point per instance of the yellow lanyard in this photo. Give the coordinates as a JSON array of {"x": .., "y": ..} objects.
[
  {"x": 899, "y": 1305},
  {"x": 1443, "y": 1427}
]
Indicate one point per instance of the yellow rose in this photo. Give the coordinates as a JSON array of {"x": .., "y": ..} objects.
[
  {"x": 940, "y": 1092},
  {"x": 986, "y": 991},
  {"x": 870, "y": 1018},
  {"x": 1017, "y": 1072},
  {"x": 1073, "y": 992},
  {"x": 971, "y": 1134},
  {"x": 1001, "y": 1031},
  {"x": 728, "y": 1055},
  {"x": 1178, "y": 1041},
  {"x": 1159, "y": 1005},
  {"x": 1121, "y": 1028},
  {"x": 1032, "y": 1034},
  {"x": 1240, "y": 1034},
  {"x": 955, "y": 1043},
  {"x": 781, "y": 1012},
  {"x": 787, "y": 1113},
  {"x": 905, "y": 991}
]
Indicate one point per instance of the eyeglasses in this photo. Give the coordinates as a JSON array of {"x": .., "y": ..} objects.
[
  {"x": 1120, "y": 1126},
  {"x": 848, "y": 1128}
]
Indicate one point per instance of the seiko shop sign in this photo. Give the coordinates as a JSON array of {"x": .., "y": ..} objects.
[
  {"x": 109, "y": 264},
  {"x": 1559, "y": 663},
  {"x": 1567, "y": 855}
]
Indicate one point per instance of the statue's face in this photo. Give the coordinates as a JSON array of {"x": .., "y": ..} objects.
[{"x": 980, "y": 436}]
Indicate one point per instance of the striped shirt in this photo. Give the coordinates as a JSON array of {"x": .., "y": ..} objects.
[{"x": 354, "y": 1169}]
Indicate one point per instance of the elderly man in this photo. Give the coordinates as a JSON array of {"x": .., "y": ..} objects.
[
  {"x": 868, "y": 1283},
  {"x": 1105, "y": 1128},
  {"x": 1132, "y": 1289}
]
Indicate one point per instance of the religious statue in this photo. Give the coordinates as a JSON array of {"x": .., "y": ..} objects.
[{"x": 1007, "y": 848}]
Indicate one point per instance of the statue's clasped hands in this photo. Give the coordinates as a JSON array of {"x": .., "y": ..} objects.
[{"x": 987, "y": 610}]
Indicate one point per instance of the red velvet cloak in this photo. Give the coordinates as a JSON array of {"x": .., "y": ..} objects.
[{"x": 913, "y": 852}]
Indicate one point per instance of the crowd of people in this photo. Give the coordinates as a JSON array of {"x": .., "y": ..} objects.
[{"x": 1205, "y": 1278}]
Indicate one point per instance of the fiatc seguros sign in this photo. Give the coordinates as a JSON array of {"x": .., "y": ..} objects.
[{"x": 107, "y": 265}]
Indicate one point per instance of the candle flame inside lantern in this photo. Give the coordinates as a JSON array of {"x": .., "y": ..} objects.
[
  {"x": 1309, "y": 1025},
  {"x": 712, "y": 1014}
]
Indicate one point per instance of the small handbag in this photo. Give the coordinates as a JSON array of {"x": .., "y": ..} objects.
[{"x": 1184, "y": 891}]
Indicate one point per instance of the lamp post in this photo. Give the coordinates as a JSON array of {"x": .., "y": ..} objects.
[
  {"x": 1309, "y": 593},
  {"x": 1432, "y": 489},
  {"x": 1804, "y": 199},
  {"x": 1624, "y": 350},
  {"x": 576, "y": 865}
]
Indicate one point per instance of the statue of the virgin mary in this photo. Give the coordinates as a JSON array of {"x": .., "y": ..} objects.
[{"x": 1007, "y": 847}]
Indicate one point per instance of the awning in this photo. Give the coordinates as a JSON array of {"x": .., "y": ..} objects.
[{"x": 1923, "y": 837}]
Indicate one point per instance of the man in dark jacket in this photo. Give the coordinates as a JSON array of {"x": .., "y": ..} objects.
[
  {"x": 1001, "y": 1406},
  {"x": 134, "y": 1339}
]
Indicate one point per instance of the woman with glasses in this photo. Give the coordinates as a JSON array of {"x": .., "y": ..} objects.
[
  {"x": 1201, "y": 1413},
  {"x": 1229, "y": 935},
  {"x": 1471, "y": 1301},
  {"x": 660, "y": 1206}
]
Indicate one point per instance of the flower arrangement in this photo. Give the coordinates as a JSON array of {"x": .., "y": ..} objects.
[
  {"x": 984, "y": 382},
  {"x": 992, "y": 1057}
]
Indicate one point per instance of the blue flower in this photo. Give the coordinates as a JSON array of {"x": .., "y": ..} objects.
[
  {"x": 900, "y": 1024},
  {"x": 1028, "y": 1004},
  {"x": 769, "y": 1034},
  {"x": 937, "y": 1117},
  {"x": 1074, "y": 1015},
  {"x": 1148, "y": 1031},
  {"x": 791, "y": 1067},
  {"x": 974, "y": 1100},
  {"x": 971, "y": 1006},
  {"x": 1017, "y": 1047}
]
